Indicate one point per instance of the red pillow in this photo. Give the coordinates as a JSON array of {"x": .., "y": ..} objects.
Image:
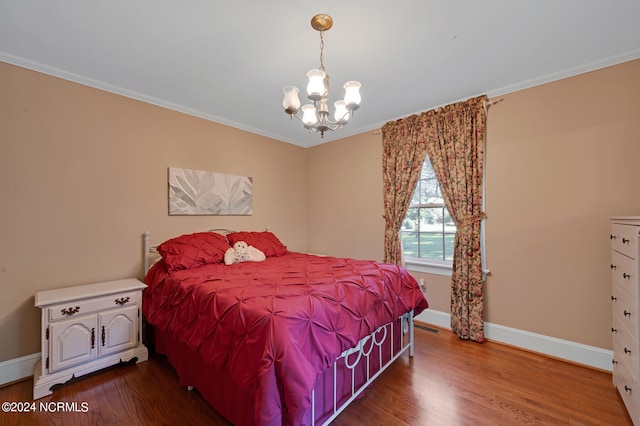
[
  {"x": 265, "y": 241},
  {"x": 193, "y": 250}
]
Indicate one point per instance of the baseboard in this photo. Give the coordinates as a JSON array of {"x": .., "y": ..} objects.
[
  {"x": 17, "y": 368},
  {"x": 558, "y": 348}
]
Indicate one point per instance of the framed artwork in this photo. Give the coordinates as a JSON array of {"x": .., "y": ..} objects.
[{"x": 197, "y": 192}]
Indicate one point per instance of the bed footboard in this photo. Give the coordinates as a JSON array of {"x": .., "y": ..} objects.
[{"x": 357, "y": 368}]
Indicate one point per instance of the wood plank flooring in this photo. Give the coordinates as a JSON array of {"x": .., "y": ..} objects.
[{"x": 448, "y": 382}]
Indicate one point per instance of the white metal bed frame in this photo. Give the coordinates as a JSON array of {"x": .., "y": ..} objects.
[{"x": 362, "y": 352}]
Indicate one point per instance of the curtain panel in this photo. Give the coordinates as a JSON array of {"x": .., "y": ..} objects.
[
  {"x": 455, "y": 146},
  {"x": 403, "y": 152}
]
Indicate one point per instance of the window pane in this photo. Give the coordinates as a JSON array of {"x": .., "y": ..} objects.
[
  {"x": 410, "y": 222},
  {"x": 431, "y": 245},
  {"x": 448, "y": 246},
  {"x": 415, "y": 199},
  {"x": 429, "y": 191},
  {"x": 410, "y": 244},
  {"x": 449, "y": 226},
  {"x": 431, "y": 219}
]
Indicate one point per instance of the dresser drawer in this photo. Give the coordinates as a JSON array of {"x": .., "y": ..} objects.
[
  {"x": 624, "y": 272},
  {"x": 624, "y": 350},
  {"x": 624, "y": 239},
  {"x": 626, "y": 385},
  {"x": 81, "y": 307},
  {"x": 625, "y": 312}
]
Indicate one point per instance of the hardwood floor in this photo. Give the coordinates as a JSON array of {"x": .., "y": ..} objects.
[{"x": 448, "y": 382}]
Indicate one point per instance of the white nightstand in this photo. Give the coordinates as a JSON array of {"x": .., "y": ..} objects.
[{"x": 87, "y": 328}]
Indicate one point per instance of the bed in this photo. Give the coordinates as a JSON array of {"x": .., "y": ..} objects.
[{"x": 289, "y": 340}]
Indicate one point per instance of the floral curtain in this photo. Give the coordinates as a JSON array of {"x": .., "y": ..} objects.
[
  {"x": 453, "y": 137},
  {"x": 403, "y": 152},
  {"x": 455, "y": 145}
]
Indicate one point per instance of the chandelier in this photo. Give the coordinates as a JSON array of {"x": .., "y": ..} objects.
[{"x": 315, "y": 116}]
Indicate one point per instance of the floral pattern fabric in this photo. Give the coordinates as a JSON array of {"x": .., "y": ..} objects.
[{"x": 404, "y": 150}]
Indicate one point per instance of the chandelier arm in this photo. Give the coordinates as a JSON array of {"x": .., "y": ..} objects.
[{"x": 326, "y": 121}]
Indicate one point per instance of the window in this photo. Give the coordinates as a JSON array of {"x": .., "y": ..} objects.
[{"x": 428, "y": 231}]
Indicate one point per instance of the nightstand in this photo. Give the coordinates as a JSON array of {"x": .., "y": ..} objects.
[{"x": 87, "y": 328}]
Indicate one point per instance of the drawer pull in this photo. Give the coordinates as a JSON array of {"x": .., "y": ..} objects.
[
  {"x": 612, "y": 237},
  {"x": 627, "y": 314},
  {"x": 613, "y": 298},
  {"x": 122, "y": 300},
  {"x": 70, "y": 311},
  {"x": 614, "y": 362},
  {"x": 627, "y": 388},
  {"x": 625, "y": 240},
  {"x": 612, "y": 266},
  {"x": 627, "y": 351},
  {"x": 625, "y": 275},
  {"x": 103, "y": 336},
  {"x": 614, "y": 330},
  {"x": 93, "y": 338}
]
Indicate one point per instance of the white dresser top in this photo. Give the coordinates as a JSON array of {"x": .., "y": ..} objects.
[{"x": 67, "y": 294}]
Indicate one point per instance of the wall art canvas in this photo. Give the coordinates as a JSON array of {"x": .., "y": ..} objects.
[{"x": 197, "y": 192}]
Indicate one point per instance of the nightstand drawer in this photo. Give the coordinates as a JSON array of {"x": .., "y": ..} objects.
[{"x": 81, "y": 307}]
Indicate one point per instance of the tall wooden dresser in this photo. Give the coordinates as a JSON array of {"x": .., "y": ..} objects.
[{"x": 625, "y": 268}]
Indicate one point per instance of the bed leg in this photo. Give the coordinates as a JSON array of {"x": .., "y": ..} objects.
[
  {"x": 145, "y": 237},
  {"x": 410, "y": 319}
]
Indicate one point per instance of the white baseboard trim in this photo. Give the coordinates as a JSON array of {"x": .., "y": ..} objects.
[
  {"x": 558, "y": 348},
  {"x": 17, "y": 368}
]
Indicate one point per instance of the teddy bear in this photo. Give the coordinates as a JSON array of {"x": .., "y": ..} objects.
[{"x": 241, "y": 252}]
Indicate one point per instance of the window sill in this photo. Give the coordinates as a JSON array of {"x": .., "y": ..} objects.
[{"x": 428, "y": 268}]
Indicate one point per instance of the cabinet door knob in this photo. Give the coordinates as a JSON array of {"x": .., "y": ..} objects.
[
  {"x": 627, "y": 351},
  {"x": 612, "y": 266},
  {"x": 626, "y": 313},
  {"x": 613, "y": 298},
  {"x": 625, "y": 240},
  {"x": 614, "y": 330},
  {"x": 627, "y": 388},
  {"x": 625, "y": 275},
  {"x": 612, "y": 237}
]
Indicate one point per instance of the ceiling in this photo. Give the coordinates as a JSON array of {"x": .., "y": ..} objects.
[{"x": 228, "y": 61}]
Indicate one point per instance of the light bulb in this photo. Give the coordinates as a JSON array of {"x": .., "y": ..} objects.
[
  {"x": 309, "y": 117},
  {"x": 315, "y": 87},
  {"x": 291, "y": 102},
  {"x": 352, "y": 95}
]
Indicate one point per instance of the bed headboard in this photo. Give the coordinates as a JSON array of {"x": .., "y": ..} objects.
[{"x": 151, "y": 251}]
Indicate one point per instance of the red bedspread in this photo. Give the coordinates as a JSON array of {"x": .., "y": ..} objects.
[{"x": 276, "y": 325}]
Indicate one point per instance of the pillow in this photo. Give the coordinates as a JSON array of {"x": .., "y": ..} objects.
[
  {"x": 265, "y": 241},
  {"x": 193, "y": 250}
]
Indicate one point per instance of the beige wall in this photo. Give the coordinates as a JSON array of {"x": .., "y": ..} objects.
[
  {"x": 84, "y": 174},
  {"x": 85, "y": 171},
  {"x": 561, "y": 158}
]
